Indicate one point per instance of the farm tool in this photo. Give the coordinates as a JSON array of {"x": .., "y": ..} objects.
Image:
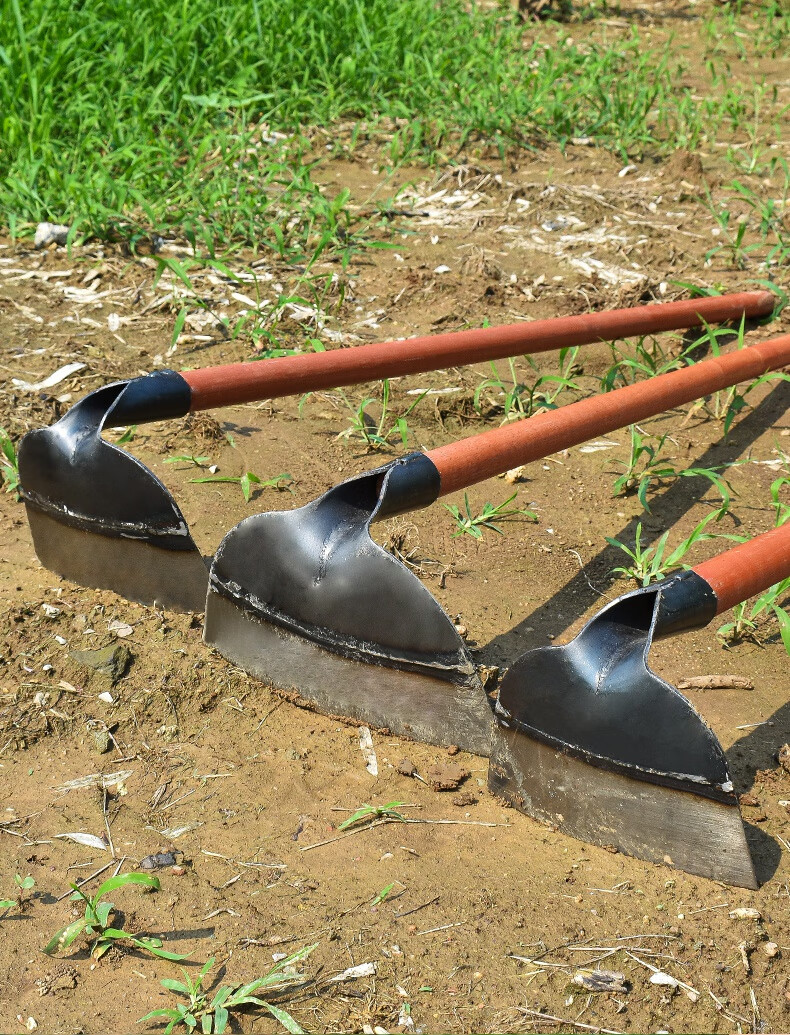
[
  {"x": 308, "y": 602},
  {"x": 590, "y": 740},
  {"x": 100, "y": 518}
]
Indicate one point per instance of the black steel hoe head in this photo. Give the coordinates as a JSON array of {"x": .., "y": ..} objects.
[
  {"x": 98, "y": 516},
  {"x": 306, "y": 601},
  {"x": 592, "y": 741}
]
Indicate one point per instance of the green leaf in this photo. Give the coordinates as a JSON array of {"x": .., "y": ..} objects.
[
  {"x": 247, "y": 480},
  {"x": 116, "y": 934},
  {"x": 285, "y": 1019},
  {"x": 178, "y": 326},
  {"x": 197, "y": 461},
  {"x": 79, "y": 894},
  {"x": 152, "y": 945},
  {"x": 159, "y": 1013},
  {"x": 7, "y": 903},
  {"x": 206, "y": 1023},
  {"x": 642, "y": 494},
  {"x": 220, "y": 1019},
  {"x": 784, "y": 625},
  {"x": 246, "y": 1000},
  {"x": 123, "y": 880},
  {"x": 102, "y": 912},
  {"x": 127, "y": 436},
  {"x": 371, "y": 812},
  {"x": 65, "y": 937},
  {"x": 204, "y": 970},
  {"x": 100, "y": 948},
  {"x": 175, "y": 986},
  {"x": 220, "y": 996},
  {"x": 382, "y": 894}
]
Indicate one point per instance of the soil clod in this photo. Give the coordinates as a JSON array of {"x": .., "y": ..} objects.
[
  {"x": 445, "y": 777},
  {"x": 464, "y": 799}
]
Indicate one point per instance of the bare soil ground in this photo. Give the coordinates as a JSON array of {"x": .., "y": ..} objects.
[{"x": 210, "y": 764}]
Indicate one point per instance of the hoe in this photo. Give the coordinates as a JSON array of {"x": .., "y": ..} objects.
[
  {"x": 590, "y": 740},
  {"x": 308, "y": 602},
  {"x": 100, "y": 518}
]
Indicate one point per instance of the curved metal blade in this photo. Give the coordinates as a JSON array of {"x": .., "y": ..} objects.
[
  {"x": 593, "y": 741},
  {"x": 99, "y": 517},
  {"x": 308, "y": 602}
]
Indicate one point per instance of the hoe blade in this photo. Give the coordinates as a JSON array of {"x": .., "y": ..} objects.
[
  {"x": 100, "y": 518},
  {"x": 306, "y": 601},
  {"x": 592, "y": 741}
]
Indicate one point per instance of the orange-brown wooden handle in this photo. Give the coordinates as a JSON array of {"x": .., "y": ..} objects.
[
  {"x": 482, "y": 456},
  {"x": 749, "y": 568},
  {"x": 291, "y": 375}
]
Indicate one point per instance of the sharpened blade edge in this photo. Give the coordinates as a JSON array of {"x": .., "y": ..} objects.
[
  {"x": 173, "y": 579},
  {"x": 417, "y": 705},
  {"x": 657, "y": 823},
  {"x": 452, "y": 666}
]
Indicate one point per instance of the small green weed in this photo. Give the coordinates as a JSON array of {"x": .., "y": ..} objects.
[
  {"x": 281, "y": 482},
  {"x": 522, "y": 400},
  {"x": 648, "y": 360},
  {"x": 733, "y": 246},
  {"x": 95, "y": 923},
  {"x": 367, "y": 813},
  {"x": 381, "y": 895},
  {"x": 726, "y": 404},
  {"x": 377, "y": 434},
  {"x": 260, "y": 315},
  {"x": 744, "y": 622},
  {"x": 127, "y": 436},
  {"x": 656, "y": 470},
  {"x": 651, "y": 564},
  {"x": 781, "y": 509},
  {"x": 762, "y": 225},
  {"x": 473, "y": 524},
  {"x": 189, "y": 459},
  {"x": 641, "y": 452},
  {"x": 212, "y": 1012},
  {"x": 9, "y": 465},
  {"x": 23, "y": 885}
]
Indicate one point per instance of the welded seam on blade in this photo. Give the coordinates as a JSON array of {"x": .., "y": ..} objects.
[
  {"x": 677, "y": 781},
  {"x": 452, "y": 667},
  {"x": 108, "y": 526}
]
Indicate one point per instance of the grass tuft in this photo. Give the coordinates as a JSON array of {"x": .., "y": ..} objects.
[{"x": 131, "y": 117}]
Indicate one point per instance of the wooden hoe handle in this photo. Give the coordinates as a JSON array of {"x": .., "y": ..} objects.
[
  {"x": 482, "y": 456},
  {"x": 291, "y": 375},
  {"x": 749, "y": 568}
]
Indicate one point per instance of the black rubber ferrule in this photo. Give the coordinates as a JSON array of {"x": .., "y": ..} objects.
[
  {"x": 410, "y": 483},
  {"x": 157, "y": 396},
  {"x": 686, "y": 601}
]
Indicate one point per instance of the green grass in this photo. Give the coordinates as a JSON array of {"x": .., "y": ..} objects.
[
  {"x": 9, "y": 465},
  {"x": 22, "y": 887},
  {"x": 652, "y": 563},
  {"x": 211, "y": 1007},
  {"x": 95, "y": 923},
  {"x": 129, "y": 116},
  {"x": 467, "y": 523}
]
